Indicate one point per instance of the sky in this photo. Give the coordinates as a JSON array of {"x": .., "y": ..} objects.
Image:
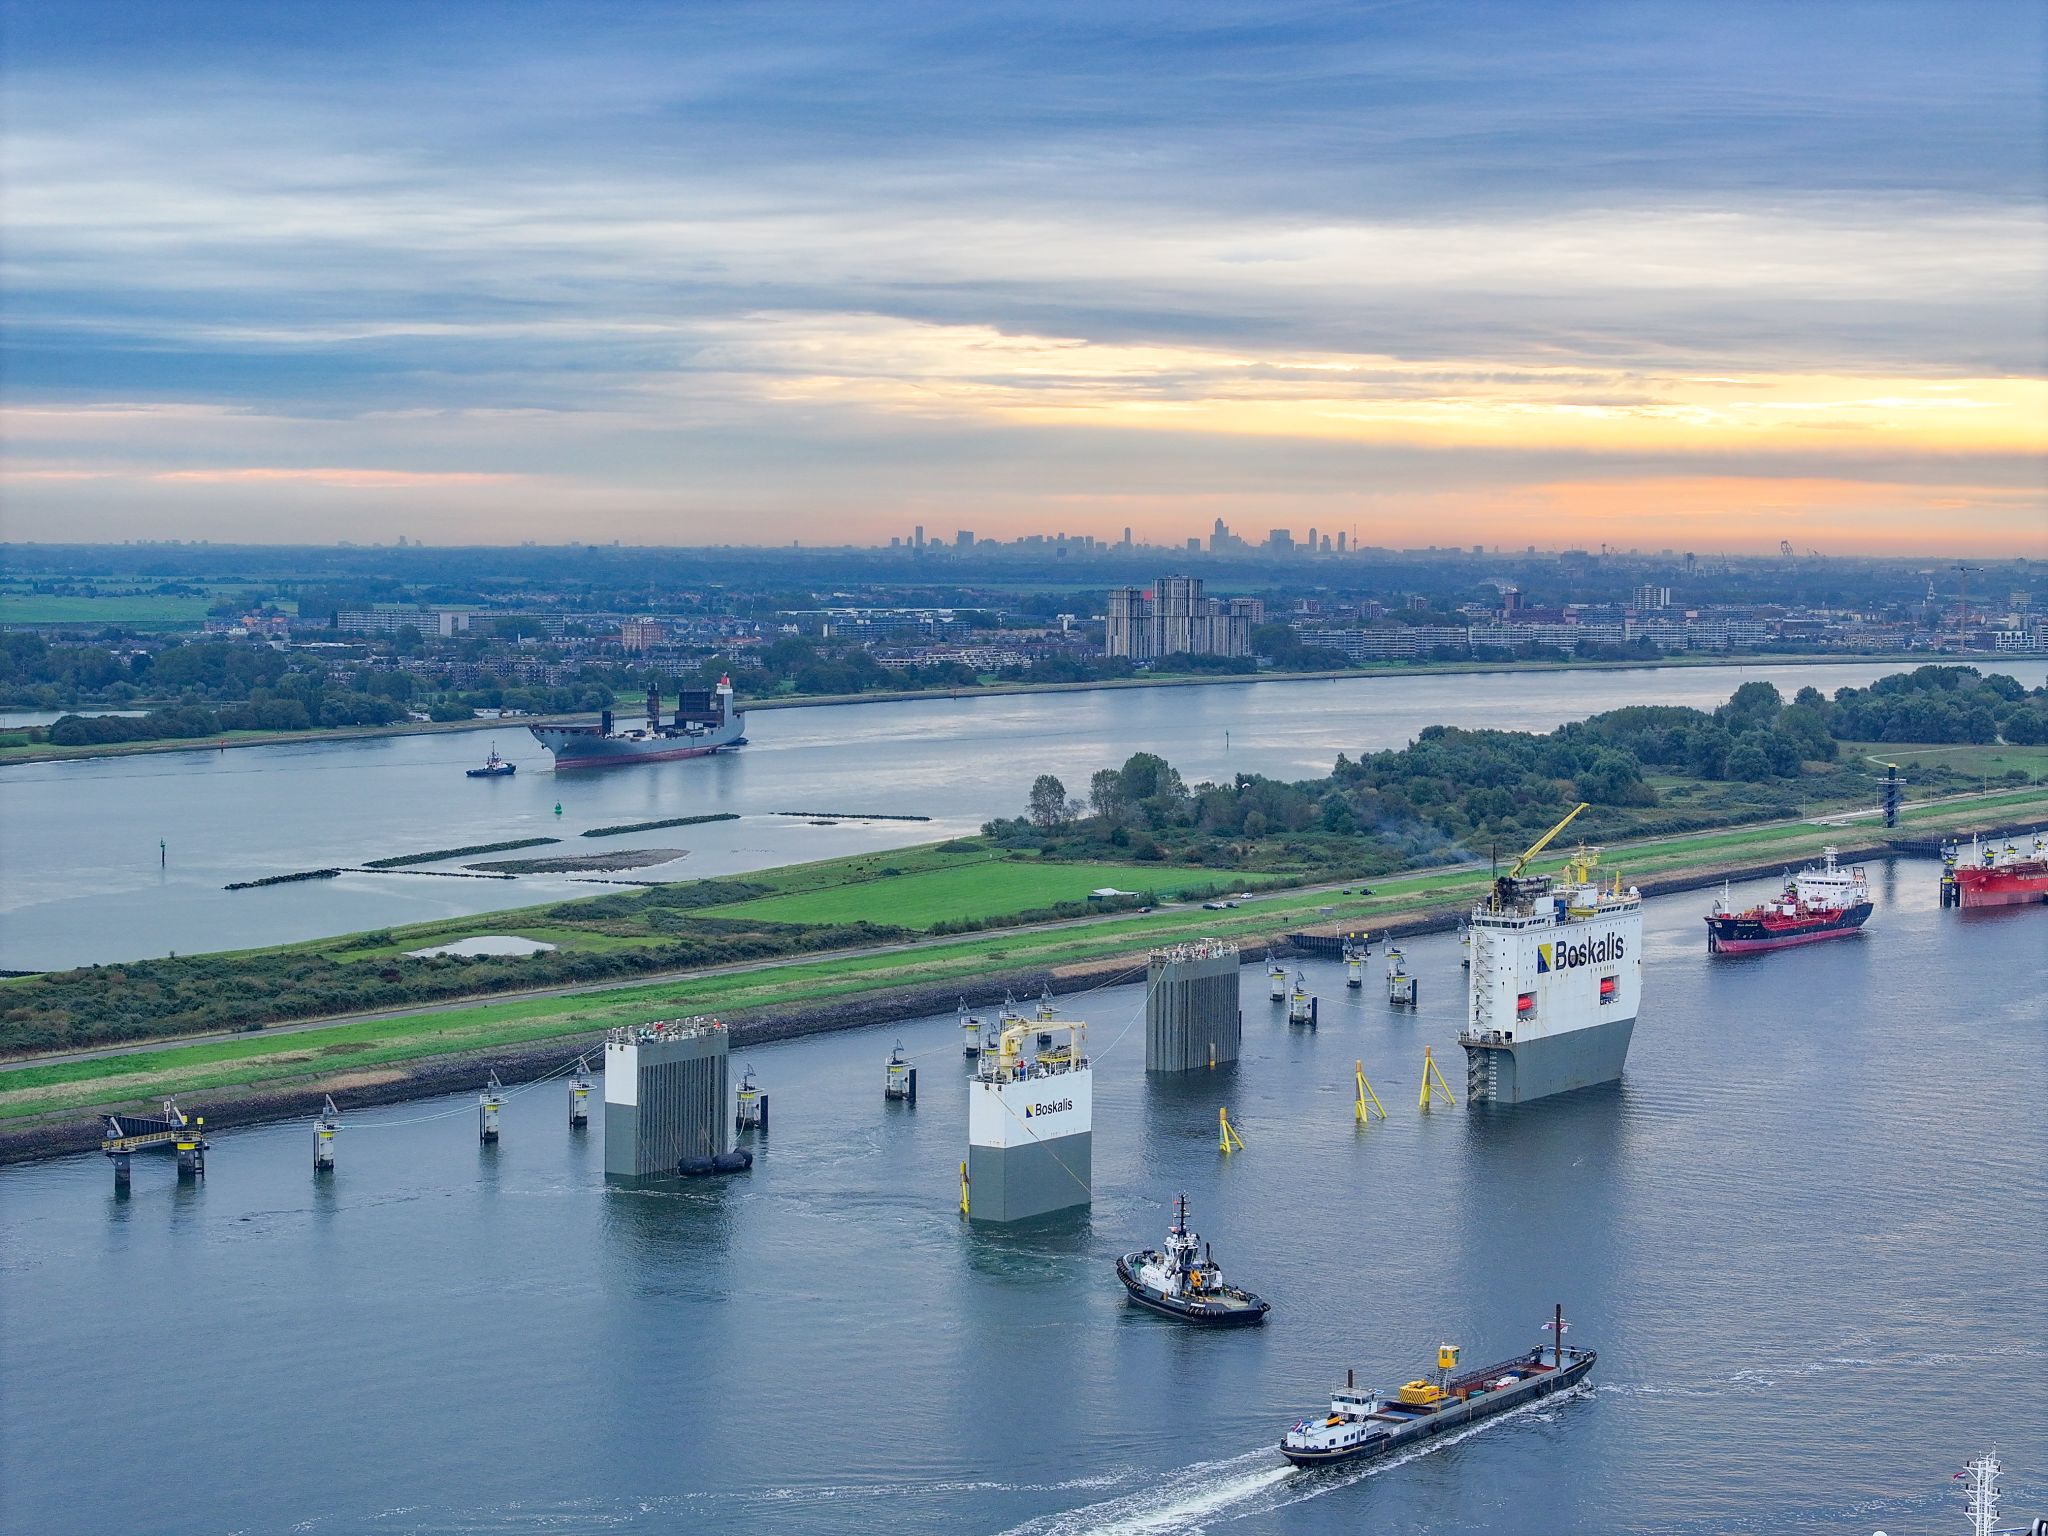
[{"x": 1650, "y": 274}]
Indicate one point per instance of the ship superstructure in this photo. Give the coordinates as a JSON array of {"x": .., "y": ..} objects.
[
  {"x": 1557, "y": 974},
  {"x": 1030, "y": 1121},
  {"x": 706, "y": 721}
]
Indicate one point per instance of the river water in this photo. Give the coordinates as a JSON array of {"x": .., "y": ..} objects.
[
  {"x": 83, "y": 879},
  {"x": 1808, "y": 1235}
]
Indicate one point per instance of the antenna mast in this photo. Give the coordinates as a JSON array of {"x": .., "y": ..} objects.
[{"x": 1980, "y": 1483}]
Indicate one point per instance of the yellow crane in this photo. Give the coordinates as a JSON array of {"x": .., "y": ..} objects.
[{"x": 1544, "y": 841}]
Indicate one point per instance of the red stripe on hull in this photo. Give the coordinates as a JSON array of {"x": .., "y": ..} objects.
[{"x": 1744, "y": 946}]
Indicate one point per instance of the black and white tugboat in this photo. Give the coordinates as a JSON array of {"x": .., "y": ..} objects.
[
  {"x": 495, "y": 767},
  {"x": 1185, "y": 1283},
  {"x": 1363, "y": 1424}
]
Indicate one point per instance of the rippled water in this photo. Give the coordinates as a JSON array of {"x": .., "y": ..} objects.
[
  {"x": 82, "y": 878},
  {"x": 1806, "y": 1235}
]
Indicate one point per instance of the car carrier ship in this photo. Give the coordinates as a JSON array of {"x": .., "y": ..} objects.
[
  {"x": 1825, "y": 903},
  {"x": 1979, "y": 875},
  {"x": 1557, "y": 973},
  {"x": 706, "y": 721},
  {"x": 1364, "y": 1424}
]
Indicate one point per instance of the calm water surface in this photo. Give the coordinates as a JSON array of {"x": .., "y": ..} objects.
[
  {"x": 82, "y": 878},
  {"x": 1808, "y": 1235}
]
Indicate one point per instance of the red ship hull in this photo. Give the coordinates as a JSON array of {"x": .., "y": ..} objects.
[
  {"x": 2010, "y": 887},
  {"x": 1741, "y": 933},
  {"x": 1779, "y": 941}
]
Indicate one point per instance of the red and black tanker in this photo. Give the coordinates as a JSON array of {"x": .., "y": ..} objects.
[{"x": 1823, "y": 903}]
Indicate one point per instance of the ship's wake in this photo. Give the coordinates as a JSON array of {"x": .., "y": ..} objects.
[{"x": 1213, "y": 1493}]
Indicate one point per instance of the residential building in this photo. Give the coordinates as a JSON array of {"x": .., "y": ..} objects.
[{"x": 1176, "y": 619}]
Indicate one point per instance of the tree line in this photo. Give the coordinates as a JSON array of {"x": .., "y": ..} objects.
[{"x": 1456, "y": 788}]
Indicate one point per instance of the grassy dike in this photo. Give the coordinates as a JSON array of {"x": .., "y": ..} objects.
[{"x": 811, "y": 993}]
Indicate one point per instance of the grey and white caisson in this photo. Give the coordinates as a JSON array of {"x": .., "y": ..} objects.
[
  {"x": 1557, "y": 975},
  {"x": 1030, "y": 1122}
]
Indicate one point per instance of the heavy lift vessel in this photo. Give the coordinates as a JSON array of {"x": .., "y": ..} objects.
[{"x": 1557, "y": 974}]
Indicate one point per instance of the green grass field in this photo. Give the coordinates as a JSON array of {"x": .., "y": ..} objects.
[
  {"x": 141, "y": 610},
  {"x": 976, "y": 891},
  {"x": 1982, "y": 762},
  {"x": 371, "y": 1045}
]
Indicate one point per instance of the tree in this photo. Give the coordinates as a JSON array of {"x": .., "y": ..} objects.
[
  {"x": 1747, "y": 762},
  {"x": 1706, "y": 752},
  {"x": 1106, "y": 797},
  {"x": 1144, "y": 775},
  {"x": 1048, "y": 802},
  {"x": 1750, "y": 707}
]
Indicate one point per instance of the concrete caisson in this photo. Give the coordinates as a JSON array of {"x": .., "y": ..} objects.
[
  {"x": 665, "y": 1097},
  {"x": 1192, "y": 1018}
]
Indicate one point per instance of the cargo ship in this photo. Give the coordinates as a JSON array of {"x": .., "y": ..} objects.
[
  {"x": 1184, "y": 1282},
  {"x": 1816, "y": 904},
  {"x": 1981, "y": 876},
  {"x": 1030, "y": 1122},
  {"x": 706, "y": 721},
  {"x": 1557, "y": 973},
  {"x": 1363, "y": 1424}
]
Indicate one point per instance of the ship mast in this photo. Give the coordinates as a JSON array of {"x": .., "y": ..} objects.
[{"x": 1980, "y": 1483}]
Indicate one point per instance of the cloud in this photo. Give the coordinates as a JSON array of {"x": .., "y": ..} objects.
[{"x": 645, "y": 265}]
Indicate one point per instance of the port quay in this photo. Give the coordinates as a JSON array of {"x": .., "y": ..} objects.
[{"x": 1875, "y": 1099}]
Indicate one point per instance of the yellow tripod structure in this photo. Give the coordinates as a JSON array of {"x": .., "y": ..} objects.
[
  {"x": 1432, "y": 1073},
  {"x": 963, "y": 1189},
  {"x": 1228, "y": 1140},
  {"x": 1365, "y": 1096}
]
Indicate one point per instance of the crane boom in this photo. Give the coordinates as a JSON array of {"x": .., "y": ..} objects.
[{"x": 1543, "y": 842}]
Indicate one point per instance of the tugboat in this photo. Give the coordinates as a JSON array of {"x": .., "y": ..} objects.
[
  {"x": 1364, "y": 1424},
  {"x": 1185, "y": 1283},
  {"x": 495, "y": 767},
  {"x": 1816, "y": 904}
]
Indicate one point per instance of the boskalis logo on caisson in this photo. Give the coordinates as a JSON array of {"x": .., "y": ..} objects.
[{"x": 1563, "y": 957}]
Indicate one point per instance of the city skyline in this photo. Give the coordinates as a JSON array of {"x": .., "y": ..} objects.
[{"x": 1640, "y": 276}]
